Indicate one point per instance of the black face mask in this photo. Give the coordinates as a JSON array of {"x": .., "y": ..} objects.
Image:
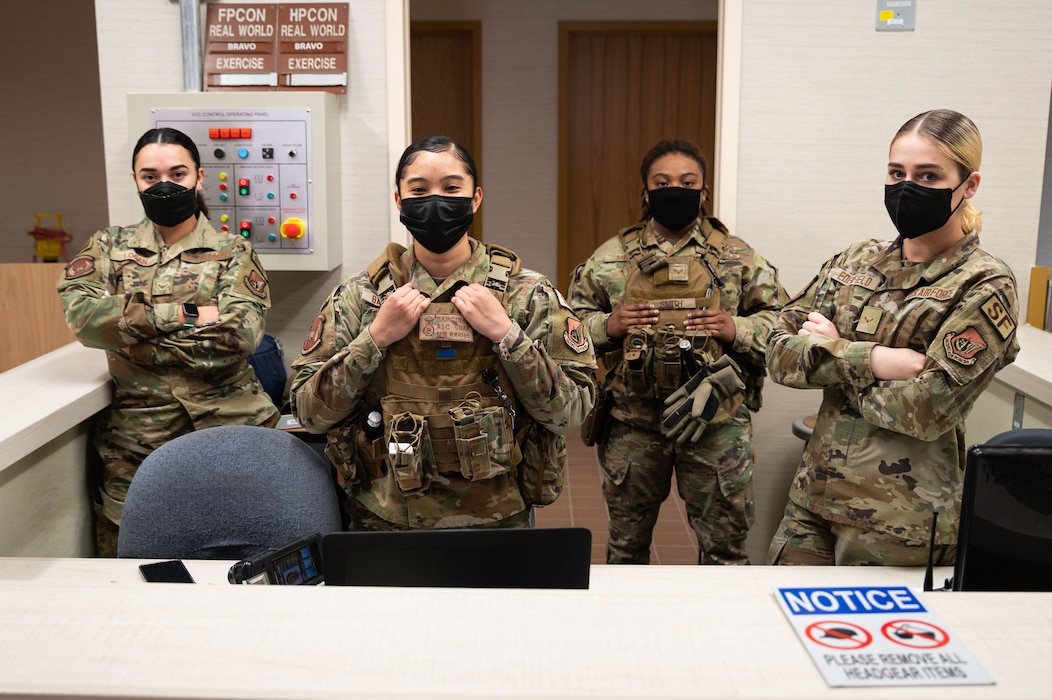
[
  {"x": 169, "y": 204},
  {"x": 916, "y": 210},
  {"x": 436, "y": 221},
  {"x": 675, "y": 208}
]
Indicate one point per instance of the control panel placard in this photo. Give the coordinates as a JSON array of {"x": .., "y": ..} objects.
[{"x": 257, "y": 164}]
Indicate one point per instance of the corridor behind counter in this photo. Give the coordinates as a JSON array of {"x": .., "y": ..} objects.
[{"x": 581, "y": 505}]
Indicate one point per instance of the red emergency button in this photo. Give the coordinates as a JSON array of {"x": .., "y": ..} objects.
[{"x": 293, "y": 228}]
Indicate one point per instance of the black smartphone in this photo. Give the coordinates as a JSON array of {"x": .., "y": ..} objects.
[{"x": 173, "y": 571}]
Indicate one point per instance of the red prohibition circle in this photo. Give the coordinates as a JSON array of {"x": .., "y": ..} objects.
[
  {"x": 812, "y": 630},
  {"x": 900, "y": 632}
]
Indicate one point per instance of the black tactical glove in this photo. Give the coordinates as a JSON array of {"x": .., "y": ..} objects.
[{"x": 693, "y": 405}]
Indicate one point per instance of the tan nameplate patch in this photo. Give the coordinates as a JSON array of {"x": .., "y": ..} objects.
[
  {"x": 869, "y": 320},
  {"x": 963, "y": 347},
  {"x": 998, "y": 315},
  {"x": 452, "y": 327},
  {"x": 857, "y": 280},
  {"x": 937, "y": 293},
  {"x": 672, "y": 304},
  {"x": 371, "y": 298}
]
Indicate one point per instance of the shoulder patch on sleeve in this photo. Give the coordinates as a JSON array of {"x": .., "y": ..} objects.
[
  {"x": 574, "y": 335},
  {"x": 997, "y": 314},
  {"x": 256, "y": 283},
  {"x": 80, "y": 266},
  {"x": 964, "y": 347},
  {"x": 313, "y": 339}
]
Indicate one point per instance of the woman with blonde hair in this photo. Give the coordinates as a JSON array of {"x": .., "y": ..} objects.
[{"x": 902, "y": 337}]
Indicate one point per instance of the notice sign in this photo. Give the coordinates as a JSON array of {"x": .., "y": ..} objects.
[{"x": 877, "y": 637}]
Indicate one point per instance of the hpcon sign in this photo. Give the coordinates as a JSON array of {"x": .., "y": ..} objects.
[{"x": 277, "y": 46}]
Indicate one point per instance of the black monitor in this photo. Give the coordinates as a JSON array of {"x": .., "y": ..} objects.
[
  {"x": 486, "y": 558},
  {"x": 1005, "y": 537}
]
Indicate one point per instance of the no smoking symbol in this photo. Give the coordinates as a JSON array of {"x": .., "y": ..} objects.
[
  {"x": 838, "y": 635},
  {"x": 915, "y": 634}
]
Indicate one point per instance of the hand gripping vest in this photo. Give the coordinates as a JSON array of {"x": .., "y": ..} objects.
[
  {"x": 656, "y": 361},
  {"x": 449, "y": 408}
]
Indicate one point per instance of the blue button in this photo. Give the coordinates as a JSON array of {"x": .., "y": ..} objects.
[{"x": 242, "y": 153}]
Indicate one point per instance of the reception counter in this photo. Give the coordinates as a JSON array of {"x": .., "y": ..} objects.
[{"x": 89, "y": 628}]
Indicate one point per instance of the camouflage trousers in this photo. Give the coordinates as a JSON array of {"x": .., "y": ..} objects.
[
  {"x": 123, "y": 439},
  {"x": 713, "y": 477},
  {"x": 807, "y": 539},
  {"x": 361, "y": 518}
]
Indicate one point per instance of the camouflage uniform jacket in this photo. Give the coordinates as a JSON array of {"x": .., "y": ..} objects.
[
  {"x": 340, "y": 375},
  {"x": 122, "y": 293},
  {"x": 751, "y": 294},
  {"x": 885, "y": 454}
]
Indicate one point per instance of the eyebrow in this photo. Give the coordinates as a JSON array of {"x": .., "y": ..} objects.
[
  {"x": 452, "y": 176},
  {"x": 921, "y": 166},
  {"x": 692, "y": 173},
  {"x": 147, "y": 169}
]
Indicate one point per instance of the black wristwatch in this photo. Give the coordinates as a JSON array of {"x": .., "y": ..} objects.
[{"x": 190, "y": 311}]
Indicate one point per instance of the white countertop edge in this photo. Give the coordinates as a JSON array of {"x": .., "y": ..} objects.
[
  {"x": 1031, "y": 373},
  {"x": 49, "y": 395}
]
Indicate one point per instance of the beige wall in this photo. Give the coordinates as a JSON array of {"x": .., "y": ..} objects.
[{"x": 52, "y": 153}]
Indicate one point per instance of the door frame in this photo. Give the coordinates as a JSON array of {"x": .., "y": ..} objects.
[{"x": 566, "y": 32}]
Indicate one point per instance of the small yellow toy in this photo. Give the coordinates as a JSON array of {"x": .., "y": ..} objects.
[{"x": 50, "y": 242}]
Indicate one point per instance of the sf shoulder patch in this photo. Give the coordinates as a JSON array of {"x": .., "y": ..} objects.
[
  {"x": 314, "y": 336},
  {"x": 963, "y": 347},
  {"x": 80, "y": 266},
  {"x": 574, "y": 335},
  {"x": 997, "y": 314}
]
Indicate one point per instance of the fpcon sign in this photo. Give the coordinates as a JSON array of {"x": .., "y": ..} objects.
[{"x": 282, "y": 46}]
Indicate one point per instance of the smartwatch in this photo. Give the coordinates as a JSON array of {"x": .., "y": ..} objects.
[{"x": 190, "y": 311}]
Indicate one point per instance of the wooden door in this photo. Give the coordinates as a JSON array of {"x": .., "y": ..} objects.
[
  {"x": 446, "y": 84},
  {"x": 624, "y": 86}
]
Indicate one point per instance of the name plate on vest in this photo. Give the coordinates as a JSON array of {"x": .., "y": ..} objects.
[
  {"x": 453, "y": 327},
  {"x": 668, "y": 304}
]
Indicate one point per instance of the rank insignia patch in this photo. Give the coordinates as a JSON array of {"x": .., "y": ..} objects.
[
  {"x": 963, "y": 347},
  {"x": 574, "y": 335},
  {"x": 314, "y": 336},
  {"x": 869, "y": 320}
]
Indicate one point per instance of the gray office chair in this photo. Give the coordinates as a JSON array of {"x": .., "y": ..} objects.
[{"x": 225, "y": 493}]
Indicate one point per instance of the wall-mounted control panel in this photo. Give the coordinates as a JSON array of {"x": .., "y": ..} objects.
[{"x": 268, "y": 177}]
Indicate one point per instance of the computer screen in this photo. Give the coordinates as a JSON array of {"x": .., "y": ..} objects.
[
  {"x": 1005, "y": 537},
  {"x": 490, "y": 558}
]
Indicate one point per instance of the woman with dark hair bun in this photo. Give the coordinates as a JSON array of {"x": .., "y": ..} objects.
[
  {"x": 179, "y": 307},
  {"x": 446, "y": 374},
  {"x": 681, "y": 309}
]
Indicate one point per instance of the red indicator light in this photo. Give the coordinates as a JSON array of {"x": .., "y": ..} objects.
[
  {"x": 224, "y": 133},
  {"x": 213, "y": 133}
]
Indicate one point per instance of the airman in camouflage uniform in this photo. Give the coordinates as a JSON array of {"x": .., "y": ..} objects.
[
  {"x": 714, "y": 472},
  {"x": 884, "y": 454},
  {"x": 122, "y": 293},
  {"x": 471, "y": 426},
  {"x": 887, "y": 452}
]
